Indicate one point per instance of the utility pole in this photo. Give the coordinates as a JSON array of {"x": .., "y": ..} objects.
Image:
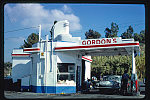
[{"x": 39, "y": 32}]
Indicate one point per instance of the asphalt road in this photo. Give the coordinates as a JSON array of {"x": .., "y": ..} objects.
[{"x": 94, "y": 94}]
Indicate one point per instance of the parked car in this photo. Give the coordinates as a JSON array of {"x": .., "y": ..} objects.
[
  {"x": 94, "y": 78},
  {"x": 142, "y": 86},
  {"x": 110, "y": 83}
]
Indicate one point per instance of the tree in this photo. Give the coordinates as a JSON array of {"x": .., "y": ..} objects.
[
  {"x": 32, "y": 39},
  {"x": 114, "y": 29},
  {"x": 107, "y": 33},
  {"x": 128, "y": 34},
  {"x": 111, "y": 32},
  {"x": 130, "y": 31},
  {"x": 142, "y": 35},
  {"x": 7, "y": 68},
  {"x": 7, "y": 65},
  {"x": 124, "y": 35},
  {"x": 140, "y": 66},
  {"x": 137, "y": 37},
  {"x": 92, "y": 34},
  {"x": 106, "y": 65}
]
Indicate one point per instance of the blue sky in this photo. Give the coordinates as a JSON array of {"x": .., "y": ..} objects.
[{"x": 82, "y": 17}]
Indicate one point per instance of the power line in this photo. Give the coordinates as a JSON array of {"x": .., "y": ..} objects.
[
  {"x": 19, "y": 29},
  {"x": 120, "y": 25},
  {"x": 13, "y": 37}
]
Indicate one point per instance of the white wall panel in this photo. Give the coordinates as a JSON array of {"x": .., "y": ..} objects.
[
  {"x": 87, "y": 70},
  {"x": 21, "y": 67},
  {"x": 66, "y": 57},
  {"x": 25, "y": 81}
]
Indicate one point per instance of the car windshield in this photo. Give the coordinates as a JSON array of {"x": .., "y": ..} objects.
[
  {"x": 105, "y": 78},
  {"x": 111, "y": 78}
]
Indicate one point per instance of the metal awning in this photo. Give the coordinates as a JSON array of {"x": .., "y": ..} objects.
[
  {"x": 110, "y": 51},
  {"x": 121, "y": 47}
]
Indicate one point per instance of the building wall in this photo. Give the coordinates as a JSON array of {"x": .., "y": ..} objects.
[
  {"x": 35, "y": 71},
  {"x": 87, "y": 70},
  {"x": 66, "y": 57},
  {"x": 32, "y": 79},
  {"x": 69, "y": 57},
  {"x": 20, "y": 67},
  {"x": 61, "y": 27}
]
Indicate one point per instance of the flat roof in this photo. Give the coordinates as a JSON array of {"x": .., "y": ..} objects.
[{"x": 99, "y": 47}]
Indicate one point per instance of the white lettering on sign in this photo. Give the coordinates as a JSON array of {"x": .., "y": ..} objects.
[{"x": 100, "y": 41}]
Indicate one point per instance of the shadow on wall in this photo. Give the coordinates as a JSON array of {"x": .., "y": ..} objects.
[
  {"x": 18, "y": 71},
  {"x": 21, "y": 70}
]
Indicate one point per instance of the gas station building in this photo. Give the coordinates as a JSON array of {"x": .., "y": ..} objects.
[{"x": 62, "y": 63}]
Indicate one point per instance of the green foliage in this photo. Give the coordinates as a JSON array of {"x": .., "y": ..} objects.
[
  {"x": 104, "y": 65},
  {"x": 137, "y": 37},
  {"x": 128, "y": 34},
  {"x": 107, "y": 65},
  {"x": 124, "y": 35},
  {"x": 113, "y": 31},
  {"x": 142, "y": 49},
  {"x": 130, "y": 31},
  {"x": 140, "y": 65},
  {"x": 32, "y": 39},
  {"x": 116, "y": 65},
  {"x": 111, "y": 64},
  {"x": 7, "y": 68},
  {"x": 108, "y": 33},
  {"x": 92, "y": 34},
  {"x": 7, "y": 65},
  {"x": 142, "y": 35}
]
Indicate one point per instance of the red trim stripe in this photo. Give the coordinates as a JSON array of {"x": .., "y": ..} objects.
[
  {"x": 20, "y": 54},
  {"x": 86, "y": 59},
  {"x": 93, "y": 46},
  {"x": 35, "y": 49}
]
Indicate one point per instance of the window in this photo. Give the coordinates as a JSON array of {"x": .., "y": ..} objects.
[{"x": 65, "y": 73}]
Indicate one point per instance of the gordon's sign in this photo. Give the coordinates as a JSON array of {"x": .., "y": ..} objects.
[{"x": 100, "y": 41}]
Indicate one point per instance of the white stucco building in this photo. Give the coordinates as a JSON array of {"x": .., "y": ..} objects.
[{"x": 63, "y": 63}]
